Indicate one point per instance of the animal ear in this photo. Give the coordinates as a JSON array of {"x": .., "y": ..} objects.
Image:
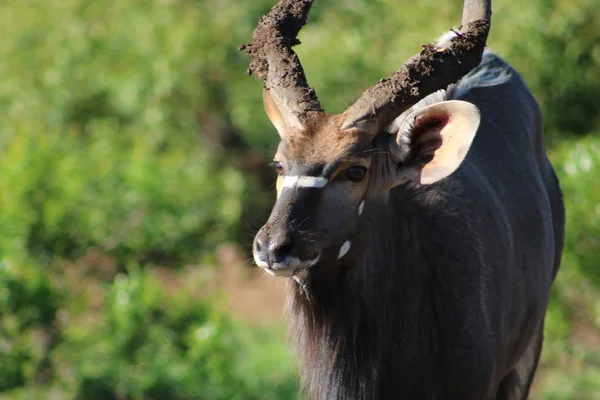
[
  {"x": 280, "y": 115},
  {"x": 432, "y": 141}
]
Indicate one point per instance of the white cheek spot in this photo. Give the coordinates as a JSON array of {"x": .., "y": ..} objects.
[
  {"x": 344, "y": 249},
  {"x": 317, "y": 182},
  {"x": 361, "y": 207}
]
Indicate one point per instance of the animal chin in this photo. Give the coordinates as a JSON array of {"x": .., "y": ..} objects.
[
  {"x": 286, "y": 273},
  {"x": 290, "y": 267}
]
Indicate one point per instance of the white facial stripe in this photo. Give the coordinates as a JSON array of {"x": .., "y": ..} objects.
[
  {"x": 344, "y": 249},
  {"x": 312, "y": 181},
  {"x": 289, "y": 181},
  {"x": 304, "y": 181},
  {"x": 361, "y": 207}
]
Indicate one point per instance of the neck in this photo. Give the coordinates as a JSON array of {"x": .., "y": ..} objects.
[{"x": 366, "y": 316}]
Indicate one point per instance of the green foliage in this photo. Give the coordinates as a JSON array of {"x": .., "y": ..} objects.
[
  {"x": 571, "y": 360},
  {"x": 100, "y": 143},
  {"x": 115, "y": 188},
  {"x": 109, "y": 108},
  {"x": 149, "y": 343},
  {"x": 554, "y": 43},
  {"x": 141, "y": 342},
  {"x": 29, "y": 304}
]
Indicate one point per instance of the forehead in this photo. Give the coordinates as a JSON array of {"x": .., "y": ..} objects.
[{"x": 324, "y": 143}]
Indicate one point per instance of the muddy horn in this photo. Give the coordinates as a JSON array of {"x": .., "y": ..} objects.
[
  {"x": 277, "y": 65},
  {"x": 433, "y": 69}
]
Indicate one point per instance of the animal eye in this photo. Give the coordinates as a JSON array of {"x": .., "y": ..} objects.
[
  {"x": 278, "y": 167},
  {"x": 356, "y": 173}
]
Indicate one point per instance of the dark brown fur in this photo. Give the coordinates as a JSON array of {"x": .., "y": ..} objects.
[{"x": 447, "y": 288}]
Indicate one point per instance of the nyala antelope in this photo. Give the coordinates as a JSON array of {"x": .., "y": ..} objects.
[{"x": 422, "y": 227}]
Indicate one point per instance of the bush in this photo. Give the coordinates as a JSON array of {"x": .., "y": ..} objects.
[
  {"x": 29, "y": 304},
  {"x": 131, "y": 339},
  {"x": 555, "y": 44},
  {"x": 570, "y": 365},
  {"x": 114, "y": 189}
]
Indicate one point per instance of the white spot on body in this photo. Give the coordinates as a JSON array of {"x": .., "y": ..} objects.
[
  {"x": 303, "y": 181},
  {"x": 344, "y": 249},
  {"x": 361, "y": 207}
]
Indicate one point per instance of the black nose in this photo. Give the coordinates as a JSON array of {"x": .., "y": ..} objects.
[
  {"x": 280, "y": 246},
  {"x": 273, "y": 246}
]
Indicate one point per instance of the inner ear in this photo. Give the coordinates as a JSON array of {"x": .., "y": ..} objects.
[
  {"x": 280, "y": 115},
  {"x": 432, "y": 142},
  {"x": 426, "y": 136}
]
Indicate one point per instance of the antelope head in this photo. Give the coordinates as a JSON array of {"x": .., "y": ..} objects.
[{"x": 331, "y": 168}]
